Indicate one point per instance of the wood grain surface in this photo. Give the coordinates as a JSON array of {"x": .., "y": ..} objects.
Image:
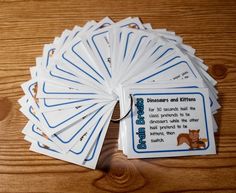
[{"x": 25, "y": 26}]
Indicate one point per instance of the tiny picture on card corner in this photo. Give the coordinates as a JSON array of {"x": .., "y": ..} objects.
[{"x": 192, "y": 139}]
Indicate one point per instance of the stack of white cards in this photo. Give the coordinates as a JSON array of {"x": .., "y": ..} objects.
[{"x": 166, "y": 97}]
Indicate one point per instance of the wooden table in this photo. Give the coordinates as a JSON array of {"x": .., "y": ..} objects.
[{"x": 25, "y": 26}]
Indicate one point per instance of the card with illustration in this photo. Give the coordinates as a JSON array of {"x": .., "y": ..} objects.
[
  {"x": 172, "y": 122},
  {"x": 125, "y": 99}
]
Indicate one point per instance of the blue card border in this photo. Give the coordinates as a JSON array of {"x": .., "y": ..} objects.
[{"x": 181, "y": 150}]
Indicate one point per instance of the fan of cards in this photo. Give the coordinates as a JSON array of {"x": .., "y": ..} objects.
[{"x": 167, "y": 99}]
